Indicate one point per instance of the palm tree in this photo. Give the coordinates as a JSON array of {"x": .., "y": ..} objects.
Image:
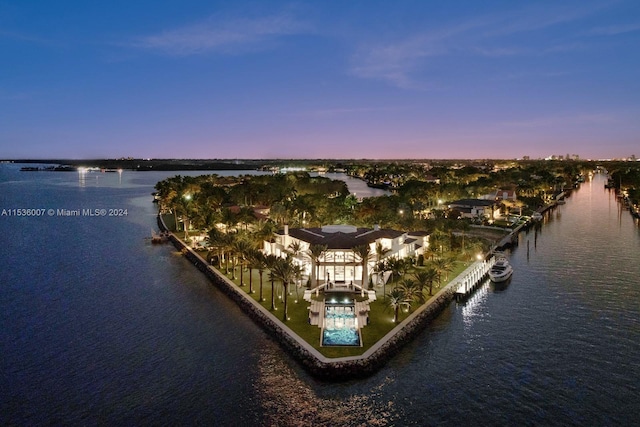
[
  {"x": 315, "y": 252},
  {"x": 271, "y": 261},
  {"x": 295, "y": 248},
  {"x": 364, "y": 253},
  {"x": 395, "y": 265},
  {"x": 246, "y": 216},
  {"x": 379, "y": 269},
  {"x": 216, "y": 240},
  {"x": 395, "y": 299},
  {"x": 438, "y": 241},
  {"x": 412, "y": 291},
  {"x": 442, "y": 265},
  {"x": 297, "y": 276},
  {"x": 241, "y": 247},
  {"x": 229, "y": 219},
  {"x": 261, "y": 265},
  {"x": 284, "y": 271},
  {"x": 254, "y": 258},
  {"x": 405, "y": 265},
  {"x": 426, "y": 278},
  {"x": 226, "y": 242},
  {"x": 265, "y": 230},
  {"x": 381, "y": 252}
]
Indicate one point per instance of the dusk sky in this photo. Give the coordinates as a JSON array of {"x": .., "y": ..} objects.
[{"x": 334, "y": 79}]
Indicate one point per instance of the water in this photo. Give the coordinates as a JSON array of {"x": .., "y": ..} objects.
[
  {"x": 358, "y": 187},
  {"x": 340, "y": 326},
  {"x": 101, "y": 327}
]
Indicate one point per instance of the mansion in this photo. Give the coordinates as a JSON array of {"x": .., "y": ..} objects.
[{"x": 338, "y": 263}]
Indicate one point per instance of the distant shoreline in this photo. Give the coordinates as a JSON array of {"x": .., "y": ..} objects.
[{"x": 64, "y": 165}]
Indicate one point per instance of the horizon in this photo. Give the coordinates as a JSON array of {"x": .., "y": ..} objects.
[
  {"x": 300, "y": 80},
  {"x": 631, "y": 158}
]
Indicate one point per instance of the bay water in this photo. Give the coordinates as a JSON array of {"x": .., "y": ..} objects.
[{"x": 99, "y": 326}]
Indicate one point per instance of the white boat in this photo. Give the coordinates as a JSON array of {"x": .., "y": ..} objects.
[
  {"x": 501, "y": 270},
  {"x": 536, "y": 216}
]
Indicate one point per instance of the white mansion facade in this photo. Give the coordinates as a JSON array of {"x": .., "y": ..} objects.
[{"x": 338, "y": 263}]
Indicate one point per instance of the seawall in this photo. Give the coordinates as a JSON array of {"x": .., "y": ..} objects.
[{"x": 314, "y": 362}]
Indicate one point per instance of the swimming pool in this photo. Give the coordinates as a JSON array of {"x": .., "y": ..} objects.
[{"x": 340, "y": 326}]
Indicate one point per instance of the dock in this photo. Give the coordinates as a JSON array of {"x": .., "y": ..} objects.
[{"x": 472, "y": 277}]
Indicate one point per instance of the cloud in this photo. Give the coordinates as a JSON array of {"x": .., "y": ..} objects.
[
  {"x": 29, "y": 38},
  {"x": 220, "y": 36},
  {"x": 614, "y": 30},
  {"x": 491, "y": 35},
  {"x": 394, "y": 62},
  {"x": 498, "y": 51},
  {"x": 538, "y": 17}
]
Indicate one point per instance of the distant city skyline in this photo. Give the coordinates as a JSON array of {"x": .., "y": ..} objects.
[{"x": 248, "y": 80}]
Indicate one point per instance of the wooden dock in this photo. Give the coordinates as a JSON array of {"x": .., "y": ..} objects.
[{"x": 472, "y": 277}]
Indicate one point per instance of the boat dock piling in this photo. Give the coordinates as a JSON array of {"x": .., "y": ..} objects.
[{"x": 473, "y": 276}]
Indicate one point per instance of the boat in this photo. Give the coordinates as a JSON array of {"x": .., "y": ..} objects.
[
  {"x": 501, "y": 271},
  {"x": 536, "y": 216}
]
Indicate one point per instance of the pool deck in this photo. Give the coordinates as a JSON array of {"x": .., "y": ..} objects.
[{"x": 316, "y": 313}]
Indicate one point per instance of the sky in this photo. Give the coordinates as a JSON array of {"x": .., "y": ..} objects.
[{"x": 329, "y": 79}]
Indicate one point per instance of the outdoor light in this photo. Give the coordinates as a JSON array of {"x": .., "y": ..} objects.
[{"x": 479, "y": 257}]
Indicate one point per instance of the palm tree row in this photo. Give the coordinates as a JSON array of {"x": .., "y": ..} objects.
[{"x": 413, "y": 289}]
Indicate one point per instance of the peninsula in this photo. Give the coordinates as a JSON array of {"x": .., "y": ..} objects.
[{"x": 343, "y": 282}]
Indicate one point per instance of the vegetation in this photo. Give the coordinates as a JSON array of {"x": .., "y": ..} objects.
[{"x": 236, "y": 215}]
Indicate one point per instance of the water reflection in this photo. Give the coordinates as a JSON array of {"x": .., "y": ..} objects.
[
  {"x": 289, "y": 401},
  {"x": 82, "y": 177},
  {"x": 474, "y": 305}
]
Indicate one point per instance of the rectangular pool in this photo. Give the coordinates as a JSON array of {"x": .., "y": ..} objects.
[{"x": 340, "y": 326}]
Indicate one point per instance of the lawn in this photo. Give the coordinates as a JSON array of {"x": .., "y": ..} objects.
[{"x": 380, "y": 315}]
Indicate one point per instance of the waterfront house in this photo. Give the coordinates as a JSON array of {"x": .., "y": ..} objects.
[
  {"x": 474, "y": 208},
  {"x": 339, "y": 263}
]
